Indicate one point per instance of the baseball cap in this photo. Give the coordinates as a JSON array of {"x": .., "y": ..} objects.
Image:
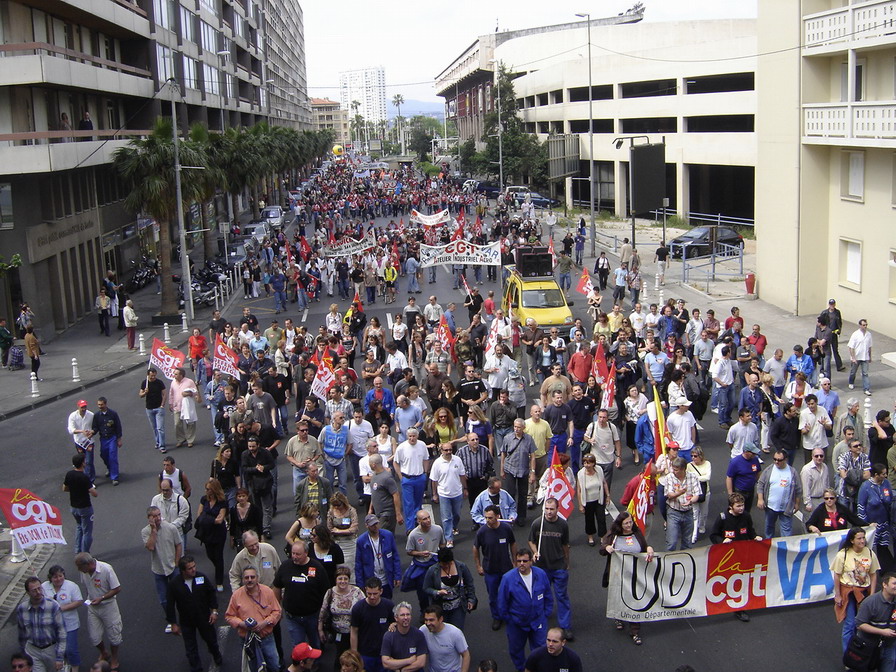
[
  {"x": 303, "y": 651},
  {"x": 82, "y": 403},
  {"x": 830, "y": 301},
  {"x": 750, "y": 448},
  {"x": 682, "y": 401},
  {"x": 371, "y": 519}
]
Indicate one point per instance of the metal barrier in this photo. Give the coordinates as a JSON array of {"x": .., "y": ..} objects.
[
  {"x": 720, "y": 254},
  {"x": 609, "y": 238},
  {"x": 703, "y": 218}
]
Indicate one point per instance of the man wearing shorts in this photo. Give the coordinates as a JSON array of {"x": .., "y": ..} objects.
[{"x": 103, "y": 618}]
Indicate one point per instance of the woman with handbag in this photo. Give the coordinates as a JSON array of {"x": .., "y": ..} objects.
[
  {"x": 334, "y": 621},
  {"x": 449, "y": 584},
  {"x": 624, "y": 537},
  {"x": 593, "y": 495},
  {"x": 855, "y": 570},
  {"x": 211, "y": 527},
  {"x": 702, "y": 468}
]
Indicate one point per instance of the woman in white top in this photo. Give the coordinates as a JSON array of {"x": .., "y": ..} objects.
[
  {"x": 400, "y": 332},
  {"x": 702, "y": 468},
  {"x": 635, "y": 406},
  {"x": 592, "y": 493},
  {"x": 385, "y": 444},
  {"x": 334, "y": 320},
  {"x": 67, "y": 595}
]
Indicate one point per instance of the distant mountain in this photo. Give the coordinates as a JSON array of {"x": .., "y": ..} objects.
[{"x": 412, "y": 107}]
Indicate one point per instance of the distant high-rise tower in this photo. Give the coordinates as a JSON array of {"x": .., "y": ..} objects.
[{"x": 368, "y": 87}]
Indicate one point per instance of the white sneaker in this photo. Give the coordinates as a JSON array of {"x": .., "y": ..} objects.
[
  {"x": 715, "y": 410},
  {"x": 168, "y": 629},
  {"x": 851, "y": 386}
]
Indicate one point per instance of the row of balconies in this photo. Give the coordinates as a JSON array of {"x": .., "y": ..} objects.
[
  {"x": 860, "y": 25},
  {"x": 855, "y": 124}
]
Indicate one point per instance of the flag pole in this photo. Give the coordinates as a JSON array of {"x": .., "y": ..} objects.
[{"x": 541, "y": 527}]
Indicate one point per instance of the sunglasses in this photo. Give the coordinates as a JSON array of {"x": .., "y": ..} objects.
[
  {"x": 830, "y": 498},
  {"x": 778, "y": 459}
]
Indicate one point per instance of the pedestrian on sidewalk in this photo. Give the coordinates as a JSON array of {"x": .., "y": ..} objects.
[
  {"x": 32, "y": 349},
  {"x": 6, "y": 341},
  {"x": 103, "y": 306},
  {"x": 130, "y": 323}
]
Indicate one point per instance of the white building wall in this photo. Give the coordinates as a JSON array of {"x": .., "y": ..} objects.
[{"x": 368, "y": 87}]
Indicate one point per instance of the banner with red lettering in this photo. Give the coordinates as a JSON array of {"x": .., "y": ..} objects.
[
  {"x": 585, "y": 286},
  {"x": 723, "y": 578},
  {"x": 641, "y": 499},
  {"x": 461, "y": 252},
  {"x": 226, "y": 360},
  {"x": 559, "y": 487},
  {"x": 32, "y": 520},
  {"x": 165, "y": 359}
]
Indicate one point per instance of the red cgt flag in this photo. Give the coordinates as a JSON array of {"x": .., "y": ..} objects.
[
  {"x": 226, "y": 360},
  {"x": 165, "y": 359},
  {"x": 641, "y": 500},
  {"x": 585, "y": 286},
  {"x": 445, "y": 337},
  {"x": 304, "y": 249},
  {"x": 599, "y": 367},
  {"x": 32, "y": 520},
  {"x": 559, "y": 487}
]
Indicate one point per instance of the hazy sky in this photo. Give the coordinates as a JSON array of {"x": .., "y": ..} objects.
[{"x": 414, "y": 40}]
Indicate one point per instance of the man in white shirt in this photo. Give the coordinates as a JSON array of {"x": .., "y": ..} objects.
[
  {"x": 410, "y": 461},
  {"x": 497, "y": 366},
  {"x": 860, "y": 355},
  {"x": 359, "y": 431},
  {"x": 638, "y": 318},
  {"x": 433, "y": 312},
  {"x": 814, "y": 420},
  {"x": 451, "y": 478},
  {"x": 683, "y": 427},
  {"x": 80, "y": 426},
  {"x": 742, "y": 432}
]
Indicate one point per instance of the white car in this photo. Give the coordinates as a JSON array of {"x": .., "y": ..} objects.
[
  {"x": 274, "y": 216},
  {"x": 258, "y": 230}
]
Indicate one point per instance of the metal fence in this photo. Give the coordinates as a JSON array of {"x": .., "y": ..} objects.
[
  {"x": 706, "y": 268},
  {"x": 695, "y": 218}
]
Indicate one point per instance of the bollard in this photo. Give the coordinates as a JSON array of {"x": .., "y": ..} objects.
[
  {"x": 76, "y": 376},
  {"x": 184, "y": 327},
  {"x": 167, "y": 334},
  {"x": 34, "y": 391},
  {"x": 223, "y": 289},
  {"x": 18, "y": 554},
  {"x": 142, "y": 344},
  {"x": 660, "y": 302},
  {"x": 217, "y": 307},
  {"x": 656, "y": 282},
  {"x": 867, "y": 416}
]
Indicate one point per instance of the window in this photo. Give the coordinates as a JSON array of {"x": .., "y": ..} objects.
[
  {"x": 209, "y": 37},
  {"x": 6, "y": 216},
  {"x": 162, "y": 11},
  {"x": 191, "y": 78},
  {"x": 859, "y": 84},
  {"x": 210, "y": 75},
  {"x": 852, "y": 175},
  {"x": 187, "y": 31},
  {"x": 165, "y": 62},
  {"x": 851, "y": 264},
  {"x": 210, "y": 5}
]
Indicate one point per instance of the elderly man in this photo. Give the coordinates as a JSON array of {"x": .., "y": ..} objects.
[
  {"x": 184, "y": 427},
  {"x": 163, "y": 541},
  {"x": 518, "y": 466},
  {"x": 336, "y": 443},
  {"x": 41, "y": 628},
  {"x": 301, "y": 450},
  {"x": 381, "y": 394},
  {"x": 852, "y": 418},
  {"x": 103, "y": 617},
  {"x": 254, "y": 609},
  {"x": 404, "y": 648},
  {"x": 376, "y": 556},
  {"x": 493, "y": 495},
  {"x": 258, "y": 554},
  {"x": 424, "y": 542},
  {"x": 406, "y": 417},
  {"x": 175, "y": 508},
  {"x": 410, "y": 462},
  {"x": 314, "y": 489},
  {"x": 815, "y": 478},
  {"x": 478, "y": 463}
]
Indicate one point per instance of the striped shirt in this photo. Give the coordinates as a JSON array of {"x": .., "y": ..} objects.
[
  {"x": 478, "y": 464},
  {"x": 42, "y": 625},
  {"x": 332, "y": 406}
]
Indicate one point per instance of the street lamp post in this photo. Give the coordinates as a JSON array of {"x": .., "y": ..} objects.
[
  {"x": 587, "y": 17},
  {"x": 184, "y": 259},
  {"x": 500, "y": 140}
]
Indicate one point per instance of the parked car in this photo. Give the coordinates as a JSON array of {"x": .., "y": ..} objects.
[
  {"x": 274, "y": 216},
  {"x": 535, "y": 198},
  {"x": 258, "y": 230},
  {"x": 490, "y": 189},
  {"x": 697, "y": 241}
]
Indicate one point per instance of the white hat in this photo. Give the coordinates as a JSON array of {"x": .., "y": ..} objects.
[{"x": 681, "y": 401}]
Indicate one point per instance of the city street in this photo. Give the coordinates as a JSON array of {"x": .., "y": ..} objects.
[{"x": 39, "y": 438}]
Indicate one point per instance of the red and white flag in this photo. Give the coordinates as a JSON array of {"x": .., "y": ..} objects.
[
  {"x": 643, "y": 498},
  {"x": 477, "y": 226},
  {"x": 492, "y": 339},
  {"x": 165, "y": 359},
  {"x": 608, "y": 398},
  {"x": 304, "y": 249},
  {"x": 466, "y": 286},
  {"x": 551, "y": 250},
  {"x": 459, "y": 231},
  {"x": 445, "y": 337},
  {"x": 323, "y": 379},
  {"x": 599, "y": 366},
  {"x": 559, "y": 487},
  {"x": 585, "y": 286},
  {"x": 226, "y": 360},
  {"x": 32, "y": 520}
]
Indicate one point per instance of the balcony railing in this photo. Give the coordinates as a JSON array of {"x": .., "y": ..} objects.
[
  {"x": 40, "y": 48},
  {"x": 865, "y": 120},
  {"x": 132, "y": 6},
  {"x": 851, "y": 25},
  {"x": 53, "y": 137}
]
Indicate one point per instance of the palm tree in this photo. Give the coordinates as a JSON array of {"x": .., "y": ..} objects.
[
  {"x": 209, "y": 180},
  {"x": 398, "y": 101},
  {"x": 147, "y": 166}
]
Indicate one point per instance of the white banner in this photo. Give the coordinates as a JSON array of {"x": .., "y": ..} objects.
[
  {"x": 461, "y": 252},
  {"x": 724, "y": 578},
  {"x": 348, "y": 246},
  {"x": 430, "y": 220}
]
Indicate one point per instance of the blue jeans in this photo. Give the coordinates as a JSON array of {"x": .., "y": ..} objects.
[
  {"x": 269, "y": 652},
  {"x": 887, "y": 660},
  {"x": 727, "y": 402},
  {"x": 517, "y": 638},
  {"x": 500, "y": 434},
  {"x": 339, "y": 470},
  {"x": 84, "y": 534},
  {"x": 559, "y": 579},
  {"x": 855, "y": 366},
  {"x": 109, "y": 453},
  {"x": 72, "y": 654},
  {"x": 356, "y": 474},
  {"x": 679, "y": 527},
  {"x": 297, "y": 477},
  {"x": 450, "y": 510},
  {"x": 575, "y": 452},
  {"x": 280, "y": 300},
  {"x": 849, "y": 621},
  {"x": 302, "y": 629},
  {"x": 343, "y": 288},
  {"x": 413, "y": 283},
  {"x": 372, "y": 663},
  {"x": 565, "y": 281},
  {"x": 412, "y": 488},
  {"x": 156, "y": 418},
  {"x": 87, "y": 452},
  {"x": 302, "y": 299},
  {"x": 492, "y": 582},
  {"x": 162, "y": 587},
  {"x": 786, "y": 523}
]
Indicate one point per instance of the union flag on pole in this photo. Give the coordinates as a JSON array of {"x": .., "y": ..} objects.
[
  {"x": 477, "y": 226},
  {"x": 323, "y": 379},
  {"x": 226, "y": 360},
  {"x": 459, "y": 231},
  {"x": 641, "y": 500},
  {"x": 466, "y": 286},
  {"x": 559, "y": 487},
  {"x": 585, "y": 286},
  {"x": 599, "y": 366},
  {"x": 608, "y": 398},
  {"x": 165, "y": 359},
  {"x": 304, "y": 249},
  {"x": 445, "y": 337},
  {"x": 32, "y": 520}
]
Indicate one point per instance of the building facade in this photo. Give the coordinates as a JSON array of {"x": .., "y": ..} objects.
[
  {"x": 368, "y": 88},
  {"x": 79, "y": 81},
  {"x": 704, "y": 108},
  {"x": 826, "y": 167},
  {"x": 329, "y": 115}
]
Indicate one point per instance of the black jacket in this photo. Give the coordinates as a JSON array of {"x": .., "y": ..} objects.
[{"x": 193, "y": 606}]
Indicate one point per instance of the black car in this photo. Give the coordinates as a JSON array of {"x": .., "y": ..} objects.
[
  {"x": 490, "y": 189},
  {"x": 536, "y": 199},
  {"x": 696, "y": 242}
]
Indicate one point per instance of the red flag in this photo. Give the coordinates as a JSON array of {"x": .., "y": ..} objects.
[
  {"x": 289, "y": 254},
  {"x": 585, "y": 286},
  {"x": 608, "y": 398},
  {"x": 477, "y": 226},
  {"x": 165, "y": 359},
  {"x": 225, "y": 360},
  {"x": 466, "y": 286},
  {"x": 332, "y": 239},
  {"x": 324, "y": 378},
  {"x": 551, "y": 250},
  {"x": 32, "y": 520},
  {"x": 401, "y": 226},
  {"x": 357, "y": 302},
  {"x": 304, "y": 248},
  {"x": 445, "y": 337},
  {"x": 459, "y": 231},
  {"x": 559, "y": 487},
  {"x": 642, "y": 498},
  {"x": 599, "y": 366}
]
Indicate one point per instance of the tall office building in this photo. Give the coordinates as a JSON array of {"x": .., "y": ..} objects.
[
  {"x": 367, "y": 87},
  {"x": 81, "y": 80}
]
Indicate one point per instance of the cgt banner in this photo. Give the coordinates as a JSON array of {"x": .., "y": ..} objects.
[
  {"x": 165, "y": 359},
  {"x": 430, "y": 220},
  {"x": 723, "y": 578},
  {"x": 32, "y": 520},
  {"x": 349, "y": 246},
  {"x": 461, "y": 252}
]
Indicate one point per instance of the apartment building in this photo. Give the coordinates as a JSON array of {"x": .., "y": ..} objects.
[
  {"x": 82, "y": 78},
  {"x": 367, "y": 87},
  {"x": 826, "y": 169},
  {"x": 688, "y": 83},
  {"x": 329, "y": 115}
]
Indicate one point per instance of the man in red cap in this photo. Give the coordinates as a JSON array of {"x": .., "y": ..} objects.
[
  {"x": 303, "y": 657},
  {"x": 80, "y": 426}
]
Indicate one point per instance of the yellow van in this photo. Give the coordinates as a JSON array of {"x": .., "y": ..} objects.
[{"x": 537, "y": 297}]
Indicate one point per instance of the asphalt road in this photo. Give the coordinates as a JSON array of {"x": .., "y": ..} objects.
[{"x": 36, "y": 455}]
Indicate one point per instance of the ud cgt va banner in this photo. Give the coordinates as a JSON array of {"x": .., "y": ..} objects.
[{"x": 724, "y": 578}]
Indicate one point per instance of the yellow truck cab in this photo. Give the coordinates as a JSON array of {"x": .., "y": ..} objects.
[{"x": 531, "y": 291}]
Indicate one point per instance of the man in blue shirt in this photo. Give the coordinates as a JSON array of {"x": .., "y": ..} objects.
[
  {"x": 743, "y": 472},
  {"x": 655, "y": 364},
  {"x": 799, "y": 362},
  {"x": 278, "y": 284},
  {"x": 336, "y": 443},
  {"x": 525, "y": 602}
]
